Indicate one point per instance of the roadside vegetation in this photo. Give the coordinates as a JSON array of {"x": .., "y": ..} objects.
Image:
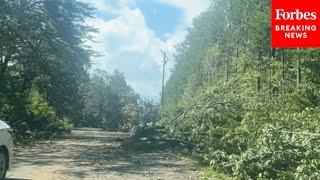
[
  {"x": 108, "y": 102},
  {"x": 45, "y": 82},
  {"x": 252, "y": 112},
  {"x": 240, "y": 108}
]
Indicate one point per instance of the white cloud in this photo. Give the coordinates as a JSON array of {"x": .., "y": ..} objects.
[
  {"x": 190, "y": 8},
  {"x": 130, "y": 46}
]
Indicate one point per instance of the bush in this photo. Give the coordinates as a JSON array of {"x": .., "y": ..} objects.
[
  {"x": 267, "y": 143},
  {"x": 41, "y": 115}
]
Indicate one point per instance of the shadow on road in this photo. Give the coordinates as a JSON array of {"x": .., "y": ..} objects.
[{"x": 94, "y": 152}]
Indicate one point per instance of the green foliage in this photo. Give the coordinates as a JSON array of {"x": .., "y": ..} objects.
[
  {"x": 110, "y": 103},
  {"x": 40, "y": 113},
  {"x": 252, "y": 112},
  {"x": 45, "y": 86},
  {"x": 42, "y": 62}
]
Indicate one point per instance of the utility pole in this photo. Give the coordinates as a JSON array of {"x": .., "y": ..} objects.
[{"x": 163, "y": 76}]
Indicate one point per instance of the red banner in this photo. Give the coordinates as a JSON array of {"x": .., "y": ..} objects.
[{"x": 295, "y": 24}]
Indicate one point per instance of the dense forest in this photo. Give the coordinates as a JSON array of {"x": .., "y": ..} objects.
[
  {"x": 109, "y": 102},
  {"x": 47, "y": 84},
  {"x": 251, "y": 111}
]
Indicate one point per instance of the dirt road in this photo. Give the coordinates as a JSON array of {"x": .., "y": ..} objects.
[{"x": 95, "y": 154}]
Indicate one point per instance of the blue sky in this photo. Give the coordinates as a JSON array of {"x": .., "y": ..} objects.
[
  {"x": 162, "y": 18},
  {"x": 132, "y": 32}
]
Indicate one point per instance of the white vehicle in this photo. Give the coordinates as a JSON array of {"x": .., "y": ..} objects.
[{"x": 6, "y": 149}]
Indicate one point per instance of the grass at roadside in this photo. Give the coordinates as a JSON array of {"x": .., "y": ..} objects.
[
  {"x": 206, "y": 172},
  {"x": 155, "y": 139}
]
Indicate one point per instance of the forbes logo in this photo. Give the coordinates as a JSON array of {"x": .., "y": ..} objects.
[
  {"x": 281, "y": 14},
  {"x": 295, "y": 23}
]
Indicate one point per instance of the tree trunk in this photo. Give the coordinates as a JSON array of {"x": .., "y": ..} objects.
[
  {"x": 283, "y": 68},
  {"x": 3, "y": 68},
  {"x": 298, "y": 72}
]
